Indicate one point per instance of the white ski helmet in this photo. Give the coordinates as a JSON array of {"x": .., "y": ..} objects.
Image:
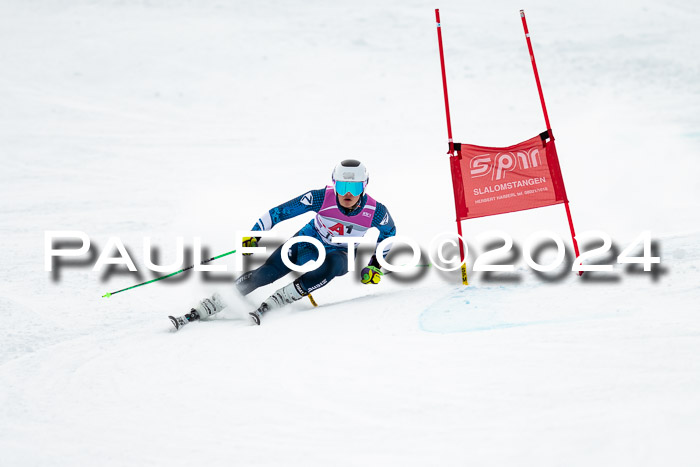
[{"x": 350, "y": 176}]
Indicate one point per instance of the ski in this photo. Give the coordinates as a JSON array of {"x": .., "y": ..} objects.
[
  {"x": 255, "y": 316},
  {"x": 181, "y": 321}
]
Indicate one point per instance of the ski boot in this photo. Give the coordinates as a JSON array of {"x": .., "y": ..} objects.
[
  {"x": 206, "y": 308},
  {"x": 287, "y": 294}
]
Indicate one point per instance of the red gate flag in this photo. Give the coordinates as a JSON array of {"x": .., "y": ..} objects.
[{"x": 489, "y": 181}]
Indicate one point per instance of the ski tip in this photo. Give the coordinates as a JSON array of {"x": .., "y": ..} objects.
[
  {"x": 255, "y": 318},
  {"x": 175, "y": 323},
  {"x": 108, "y": 294}
]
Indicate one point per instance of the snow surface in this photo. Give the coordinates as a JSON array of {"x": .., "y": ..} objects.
[{"x": 184, "y": 118}]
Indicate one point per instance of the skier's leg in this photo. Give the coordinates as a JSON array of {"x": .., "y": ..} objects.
[
  {"x": 336, "y": 264},
  {"x": 268, "y": 273}
]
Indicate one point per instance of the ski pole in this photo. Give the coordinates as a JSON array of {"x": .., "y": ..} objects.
[
  {"x": 417, "y": 265},
  {"x": 109, "y": 294}
]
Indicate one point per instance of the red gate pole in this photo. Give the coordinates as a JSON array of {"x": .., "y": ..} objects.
[
  {"x": 444, "y": 82},
  {"x": 534, "y": 68},
  {"x": 546, "y": 121},
  {"x": 450, "y": 142}
]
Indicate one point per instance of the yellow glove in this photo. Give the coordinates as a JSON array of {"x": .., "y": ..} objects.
[
  {"x": 371, "y": 275},
  {"x": 249, "y": 242}
]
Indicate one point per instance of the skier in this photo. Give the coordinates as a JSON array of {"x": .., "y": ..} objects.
[{"x": 342, "y": 210}]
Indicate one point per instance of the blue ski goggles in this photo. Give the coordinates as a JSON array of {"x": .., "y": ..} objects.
[{"x": 354, "y": 188}]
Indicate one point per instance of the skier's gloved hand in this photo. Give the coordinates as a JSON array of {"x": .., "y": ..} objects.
[
  {"x": 371, "y": 275},
  {"x": 249, "y": 242}
]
